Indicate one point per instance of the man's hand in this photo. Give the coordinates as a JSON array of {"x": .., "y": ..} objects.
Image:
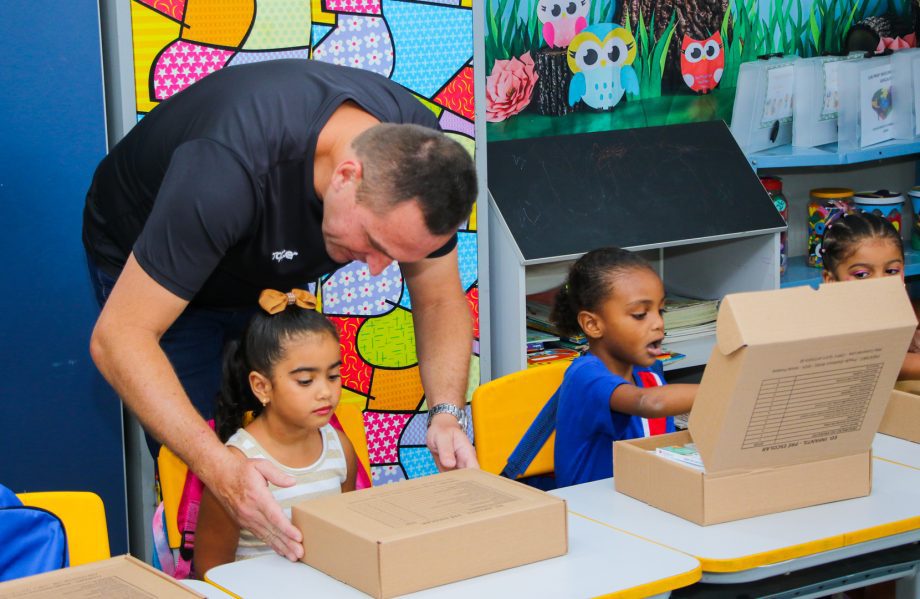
[
  {"x": 449, "y": 445},
  {"x": 241, "y": 487}
]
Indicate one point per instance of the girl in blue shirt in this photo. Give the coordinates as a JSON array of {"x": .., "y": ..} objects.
[{"x": 615, "y": 391}]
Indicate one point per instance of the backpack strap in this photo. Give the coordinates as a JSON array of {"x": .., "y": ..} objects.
[
  {"x": 653, "y": 377},
  {"x": 180, "y": 566},
  {"x": 533, "y": 440}
]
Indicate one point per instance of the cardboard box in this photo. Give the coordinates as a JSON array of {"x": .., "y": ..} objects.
[
  {"x": 420, "y": 533},
  {"x": 121, "y": 576},
  {"x": 902, "y": 417},
  {"x": 790, "y": 399}
]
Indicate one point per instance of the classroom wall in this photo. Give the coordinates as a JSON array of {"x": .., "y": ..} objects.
[{"x": 60, "y": 426}]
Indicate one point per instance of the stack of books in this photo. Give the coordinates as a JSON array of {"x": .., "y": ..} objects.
[
  {"x": 544, "y": 337},
  {"x": 686, "y": 317},
  {"x": 538, "y": 319},
  {"x": 685, "y": 454},
  {"x": 538, "y": 340}
]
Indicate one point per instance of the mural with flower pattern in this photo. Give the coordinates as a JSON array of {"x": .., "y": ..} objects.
[{"x": 425, "y": 46}]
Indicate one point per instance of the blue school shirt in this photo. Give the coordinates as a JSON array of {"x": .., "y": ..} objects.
[{"x": 586, "y": 427}]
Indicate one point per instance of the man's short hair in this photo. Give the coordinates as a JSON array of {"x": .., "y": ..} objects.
[{"x": 402, "y": 162}]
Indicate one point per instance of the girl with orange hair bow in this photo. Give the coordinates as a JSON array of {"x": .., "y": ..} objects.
[{"x": 285, "y": 372}]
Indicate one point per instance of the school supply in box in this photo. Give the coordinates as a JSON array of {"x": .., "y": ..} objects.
[
  {"x": 685, "y": 454},
  {"x": 762, "y": 113},
  {"x": 420, "y": 533},
  {"x": 902, "y": 416},
  {"x": 787, "y": 407},
  {"x": 122, "y": 576}
]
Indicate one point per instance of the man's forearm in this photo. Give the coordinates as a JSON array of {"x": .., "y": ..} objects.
[
  {"x": 444, "y": 344},
  {"x": 135, "y": 365}
]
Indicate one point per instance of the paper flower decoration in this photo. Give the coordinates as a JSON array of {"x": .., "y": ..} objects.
[
  {"x": 509, "y": 87},
  {"x": 897, "y": 43}
]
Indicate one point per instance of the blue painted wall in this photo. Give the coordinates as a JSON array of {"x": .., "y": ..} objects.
[{"x": 60, "y": 425}]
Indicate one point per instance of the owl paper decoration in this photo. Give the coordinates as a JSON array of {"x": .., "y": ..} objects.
[
  {"x": 600, "y": 59},
  {"x": 562, "y": 20},
  {"x": 702, "y": 62}
]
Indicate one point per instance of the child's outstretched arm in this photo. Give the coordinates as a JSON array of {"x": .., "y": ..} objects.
[
  {"x": 216, "y": 536},
  {"x": 653, "y": 402},
  {"x": 351, "y": 461},
  {"x": 910, "y": 369}
]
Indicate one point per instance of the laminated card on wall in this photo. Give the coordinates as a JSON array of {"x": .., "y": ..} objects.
[
  {"x": 788, "y": 405},
  {"x": 817, "y": 100},
  {"x": 762, "y": 113},
  {"x": 905, "y": 67},
  {"x": 866, "y": 114}
]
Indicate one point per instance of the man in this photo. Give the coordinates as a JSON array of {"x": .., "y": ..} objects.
[{"x": 269, "y": 175}]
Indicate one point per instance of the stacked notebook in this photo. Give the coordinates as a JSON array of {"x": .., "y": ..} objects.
[{"x": 686, "y": 317}]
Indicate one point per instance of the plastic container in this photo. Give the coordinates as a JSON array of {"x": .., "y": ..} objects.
[
  {"x": 827, "y": 204},
  {"x": 774, "y": 187},
  {"x": 884, "y": 203},
  {"x": 914, "y": 194}
]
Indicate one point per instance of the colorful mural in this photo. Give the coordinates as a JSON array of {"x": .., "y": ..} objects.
[
  {"x": 427, "y": 47},
  {"x": 677, "y": 61}
]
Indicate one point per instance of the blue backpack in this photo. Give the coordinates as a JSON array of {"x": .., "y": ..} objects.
[{"x": 32, "y": 540}]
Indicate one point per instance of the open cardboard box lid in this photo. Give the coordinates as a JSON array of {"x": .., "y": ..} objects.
[{"x": 800, "y": 374}]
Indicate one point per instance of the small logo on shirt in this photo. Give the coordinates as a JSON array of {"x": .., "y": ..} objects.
[{"x": 283, "y": 255}]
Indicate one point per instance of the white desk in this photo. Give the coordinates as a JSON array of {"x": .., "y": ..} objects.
[
  {"x": 757, "y": 548},
  {"x": 893, "y": 449},
  {"x": 600, "y": 560}
]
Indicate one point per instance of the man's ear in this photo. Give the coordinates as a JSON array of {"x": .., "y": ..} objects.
[
  {"x": 591, "y": 324},
  {"x": 261, "y": 387},
  {"x": 347, "y": 172}
]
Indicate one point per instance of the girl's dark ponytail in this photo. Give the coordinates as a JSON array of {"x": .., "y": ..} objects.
[{"x": 236, "y": 397}]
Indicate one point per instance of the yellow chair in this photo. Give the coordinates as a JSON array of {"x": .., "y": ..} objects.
[
  {"x": 83, "y": 515},
  {"x": 172, "y": 470},
  {"x": 504, "y": 409}
]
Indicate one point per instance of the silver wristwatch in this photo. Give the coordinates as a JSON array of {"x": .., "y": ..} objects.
[{"x": 451, "y": 409}]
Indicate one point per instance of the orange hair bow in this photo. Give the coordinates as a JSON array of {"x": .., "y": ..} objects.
[{"x": 276, "y": 301}]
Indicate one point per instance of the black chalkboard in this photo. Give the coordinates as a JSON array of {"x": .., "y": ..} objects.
[{"x": 568, "y": 194}]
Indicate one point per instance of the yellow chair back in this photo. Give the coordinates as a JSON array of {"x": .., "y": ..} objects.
[
  {"x": 83, "y": 515},
  {"x": 504, "y": 409}
]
